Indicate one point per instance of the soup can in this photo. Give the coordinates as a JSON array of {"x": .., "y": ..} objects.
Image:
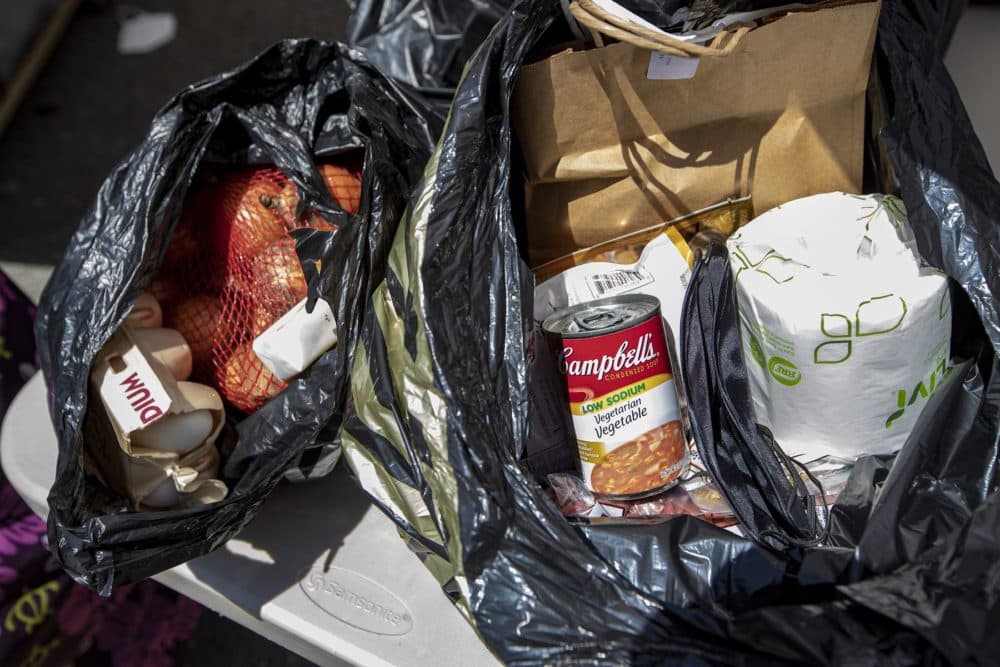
[{"x": 621, "y": 393}]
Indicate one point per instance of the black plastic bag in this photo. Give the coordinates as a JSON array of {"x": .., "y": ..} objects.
[
  {"x": 298, "y": 100},
  {"x": 425, "y": 43},
  {"x": 766, "y": 489},
  {"x": 911, "y": 570}
]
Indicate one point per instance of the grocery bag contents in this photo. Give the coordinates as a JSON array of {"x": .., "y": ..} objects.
[
  {"x": 828, "y": 476},
  {"x": 297, "y": 339},
  {"x": 152, "y": 434},
  {"x": 654, "y": 261},
  {"x": 706, "y": 496},
  {"x": 661, "y": 271},
  {"x": 621, "y": 394},
  {"x": 640, "y": 127},
  {"x": 146, "y": 313},
  {"x": 824, "y": 478},
  {"x": 576, "y": 501},
  {"x": 846, "y": 333},
  {"x": 160, "y": 481},
  {"x": 441, "y": 395},
  {"x": 167, "y": 346},
  {"x": 696, "y": 495},
  {"x": 227, "y": 249},
  {"x": 230, "y": 273}
]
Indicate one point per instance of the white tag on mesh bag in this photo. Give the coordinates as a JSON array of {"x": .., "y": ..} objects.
[{"x": 297, "y": 339}]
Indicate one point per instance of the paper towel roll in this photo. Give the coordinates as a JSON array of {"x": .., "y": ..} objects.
[{"x": 845, "y": 333}]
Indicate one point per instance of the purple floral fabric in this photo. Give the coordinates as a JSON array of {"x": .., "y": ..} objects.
[
  {"x": 46, "y": 620},
  {"x": 17, "y": 341}
]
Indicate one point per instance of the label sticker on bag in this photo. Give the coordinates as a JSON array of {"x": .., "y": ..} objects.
[
  {"x": 132, "y": 393},
  {"x": 615, "y": 282},
  {"x": 665, "y": 67}
]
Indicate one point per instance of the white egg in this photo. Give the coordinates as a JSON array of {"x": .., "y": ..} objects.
[
  {"x": 169, "y": 348},
  {"x": 176, "y": 433},
  {"x": 146, "y": 313}
]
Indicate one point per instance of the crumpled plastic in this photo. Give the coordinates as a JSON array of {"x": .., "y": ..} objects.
[
  {"x": 910, "y": 569},
  {"x": 297, "y": 101},
  {"x": 425, "y": 43}
]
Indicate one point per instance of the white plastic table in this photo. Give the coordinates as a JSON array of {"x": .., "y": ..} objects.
[{"x": 319, "y": 570}]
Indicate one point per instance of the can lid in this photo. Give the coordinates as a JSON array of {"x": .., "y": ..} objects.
[{"x": 602, "y": 316}]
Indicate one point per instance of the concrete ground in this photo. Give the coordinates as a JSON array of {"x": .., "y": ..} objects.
[{"x": 90, "y": 105}]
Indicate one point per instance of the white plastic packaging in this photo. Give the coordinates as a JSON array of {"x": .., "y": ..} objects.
[
  {"x": 661, "y": 271},
  {"x": 297, "y": 339},
  {"x": 846, "y": 334}
]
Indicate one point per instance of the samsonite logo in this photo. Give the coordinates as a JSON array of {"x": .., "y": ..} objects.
[
  {"x": 784, "y": 371},
  {"x": 356, "y": 600}
]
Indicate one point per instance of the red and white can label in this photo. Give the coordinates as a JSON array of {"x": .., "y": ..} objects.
[{"x": 625, "y": 411}]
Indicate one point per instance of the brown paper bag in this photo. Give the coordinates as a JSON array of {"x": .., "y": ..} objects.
[{"x": 775, "y": 110}]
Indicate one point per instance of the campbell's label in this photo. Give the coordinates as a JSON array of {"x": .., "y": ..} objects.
[
  {"x": 605, "y": 369},
  {"x": 624, "y": 408}
]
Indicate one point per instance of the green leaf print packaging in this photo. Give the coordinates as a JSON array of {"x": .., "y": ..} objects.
[{"x": 846, "y": 332}]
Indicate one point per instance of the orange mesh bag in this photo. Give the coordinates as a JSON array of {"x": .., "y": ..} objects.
[{"x": 231, "y": 271}]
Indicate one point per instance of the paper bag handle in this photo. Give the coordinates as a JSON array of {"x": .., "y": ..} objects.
[{"x": 603, "y": 22}]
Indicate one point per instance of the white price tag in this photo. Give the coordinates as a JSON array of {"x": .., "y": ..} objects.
[
  {"x": 297, "y": 339},
  {"x": 664, "y": 67},
  {"x": 132, "y": 392}
]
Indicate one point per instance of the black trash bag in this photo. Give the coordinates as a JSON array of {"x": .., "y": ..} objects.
[
  {"x": 765, "y": 487},
  {"x": 910, "y": 572},
  {"x": 425, "y": 43},
  {"x": 296, "y": 101}
]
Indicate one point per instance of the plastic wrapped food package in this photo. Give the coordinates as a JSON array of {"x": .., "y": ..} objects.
[{"x": 847, "y": 333}]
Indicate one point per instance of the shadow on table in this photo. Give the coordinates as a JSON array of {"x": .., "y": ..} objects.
[{"x": 296, "y": 526}]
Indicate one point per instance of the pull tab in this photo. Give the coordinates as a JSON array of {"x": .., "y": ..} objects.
[{"x": 601, "y": 319}]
